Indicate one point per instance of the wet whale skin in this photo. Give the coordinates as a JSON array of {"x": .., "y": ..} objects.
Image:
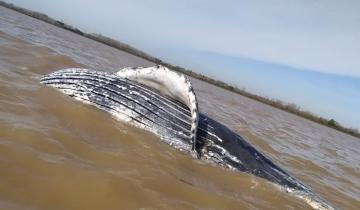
[{"x": 144, "y": 107}]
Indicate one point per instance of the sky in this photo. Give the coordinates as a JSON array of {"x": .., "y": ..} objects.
[{"x": 300, "y": 51}]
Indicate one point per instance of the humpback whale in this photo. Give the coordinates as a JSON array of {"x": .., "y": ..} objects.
[{"x": 163, "y": 102}]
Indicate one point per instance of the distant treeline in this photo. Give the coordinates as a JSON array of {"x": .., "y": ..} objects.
[{"x": 292, "y": 108}]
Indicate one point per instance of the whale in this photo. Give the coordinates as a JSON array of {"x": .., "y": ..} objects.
[{"x": 164, "y": 102}]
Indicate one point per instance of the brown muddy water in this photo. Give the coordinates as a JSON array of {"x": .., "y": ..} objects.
[{"x": 57, "y": 153}]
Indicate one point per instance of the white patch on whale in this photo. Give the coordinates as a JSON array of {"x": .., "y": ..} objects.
[{"x": 168, "y": 83}]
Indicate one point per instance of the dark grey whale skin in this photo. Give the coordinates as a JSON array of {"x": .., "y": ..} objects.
[
  {"x": 252, "y": 161},
  {"x": 171, "y": 120}
]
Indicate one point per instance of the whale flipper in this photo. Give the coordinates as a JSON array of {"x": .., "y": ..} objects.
[{"x": 171, "y": 84}]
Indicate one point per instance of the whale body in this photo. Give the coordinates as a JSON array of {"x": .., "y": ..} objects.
[{"x": 166, "y": 110}]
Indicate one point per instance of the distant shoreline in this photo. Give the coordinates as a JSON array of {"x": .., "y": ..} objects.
[{"x": 291, "y": 108}]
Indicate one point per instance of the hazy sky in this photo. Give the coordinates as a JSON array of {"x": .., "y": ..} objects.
[
  {"x": 292, "y": 35},
  {"x": 322, "y": 35}
]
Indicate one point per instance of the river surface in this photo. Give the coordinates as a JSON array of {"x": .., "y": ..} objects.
[{"x": 57, "y": 153}]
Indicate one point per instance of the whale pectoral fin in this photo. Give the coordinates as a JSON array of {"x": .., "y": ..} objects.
[{"x": 168, "y": 83}]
